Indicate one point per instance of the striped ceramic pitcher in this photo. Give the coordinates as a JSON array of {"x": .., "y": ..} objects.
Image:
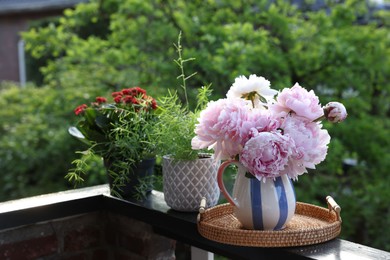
[{"x": 259, "y": 205}]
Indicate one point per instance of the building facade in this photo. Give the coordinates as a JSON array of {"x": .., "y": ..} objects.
[{"x": 15, "y": 16}]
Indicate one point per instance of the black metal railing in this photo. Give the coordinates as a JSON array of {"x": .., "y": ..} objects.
[{"x": 180, "y": 226}]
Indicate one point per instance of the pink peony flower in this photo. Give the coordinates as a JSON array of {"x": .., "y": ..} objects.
[
  {"x": 335, "y": 112},
  {"x": 311, "y": 144},
  {"x": 223, "y": 126},
  {"x": 299, "y": 101},
  {"x": 263, "y": 121},
  {"x": 267, "y": 154}
]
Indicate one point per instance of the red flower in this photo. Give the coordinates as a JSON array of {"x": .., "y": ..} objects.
[
  {"x": 127, "y": 91},
  {"x": 137, "y": 91},
  {"x": 80, "y": 109},
  {"x": 118, "y": 99},
  {"x": 154, "y": 104},
  {"x": 101, "y": 100},
  {"x": 135, "y": 101},
  {"x": 115, "y": 94},
  {"x": 130, "y": 99},
  {"x": 140, "y": 90},
  {"x": 135, "y": 96}
]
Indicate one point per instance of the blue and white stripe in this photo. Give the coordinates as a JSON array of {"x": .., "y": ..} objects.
[{"x": 270, "y": 204}]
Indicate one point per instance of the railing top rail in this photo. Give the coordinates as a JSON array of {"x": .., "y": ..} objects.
[{"x": 176, "y": 225}]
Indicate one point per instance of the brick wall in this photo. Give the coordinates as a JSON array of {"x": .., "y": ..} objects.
[{"x": 97, "y": 235}]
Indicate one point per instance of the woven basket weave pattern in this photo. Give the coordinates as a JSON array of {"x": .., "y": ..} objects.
[
  {"x": 186, "y": 182},
  {"x": 310, "y": 225}
]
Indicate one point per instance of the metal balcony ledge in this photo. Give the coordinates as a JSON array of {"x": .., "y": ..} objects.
[{"x": 176, "y": 225}]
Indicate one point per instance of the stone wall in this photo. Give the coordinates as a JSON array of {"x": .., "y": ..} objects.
[{"x": 97, "y": 235}]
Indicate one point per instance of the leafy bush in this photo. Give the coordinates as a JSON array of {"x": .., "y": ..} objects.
[
  {"x": 36, "y": 148},
  {"x": 105, "y": 45}
]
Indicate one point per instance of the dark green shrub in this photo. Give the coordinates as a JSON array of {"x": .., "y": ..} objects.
[{"x": 36, "y": 149}]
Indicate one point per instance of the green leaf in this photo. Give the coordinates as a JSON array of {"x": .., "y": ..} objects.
[
  {"x": 73, "y": 131},
  {"x": 90, "y": 115},
  {"x": 103, "y": 122}
]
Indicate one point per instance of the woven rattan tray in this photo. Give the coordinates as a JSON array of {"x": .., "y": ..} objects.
[{"x": 310, "y": 225}]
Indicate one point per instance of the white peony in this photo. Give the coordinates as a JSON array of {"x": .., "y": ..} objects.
[{"x": 254, "y": 89}]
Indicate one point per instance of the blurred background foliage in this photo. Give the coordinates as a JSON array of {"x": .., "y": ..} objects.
[{"x": 339, "y": 49}]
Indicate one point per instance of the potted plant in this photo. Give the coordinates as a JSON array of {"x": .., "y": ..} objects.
[
  {"x": 121, "y": 133},
  {"x": 188, "y": 174}
]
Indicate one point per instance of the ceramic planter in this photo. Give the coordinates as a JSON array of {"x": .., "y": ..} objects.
[{"x": 186, "y": 182}]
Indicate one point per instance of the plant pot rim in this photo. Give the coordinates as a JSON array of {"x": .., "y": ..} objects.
[{"x": 200, "y": 157}]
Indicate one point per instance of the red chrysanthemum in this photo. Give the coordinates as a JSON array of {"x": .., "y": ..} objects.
[
  {"x": 139, "y": 91},
  {"x": 130, "y": 100},
  {"x": 118, "y": 99},
  {"x": 101, "y": 100},
  {"x": 154, "y": 104},
  {"x": 115, "y": 94},
  {"x": 127, "y": 91},
  {"x": 80, "y": 109}
]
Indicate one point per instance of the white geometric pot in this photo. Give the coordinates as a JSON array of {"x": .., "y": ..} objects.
[{"x": 186, "y": 182}]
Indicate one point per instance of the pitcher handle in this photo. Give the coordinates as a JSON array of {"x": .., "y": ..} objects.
[{"x": 221, "y": 184}]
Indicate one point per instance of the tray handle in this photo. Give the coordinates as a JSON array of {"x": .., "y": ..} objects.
[
  {"x": 202, "y": 206},
  {"x": 202, "y": 209},
  {"x": 332, "y": 205}
]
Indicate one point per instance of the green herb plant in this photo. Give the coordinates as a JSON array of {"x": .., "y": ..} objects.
[{"x": 176, "y": 124}]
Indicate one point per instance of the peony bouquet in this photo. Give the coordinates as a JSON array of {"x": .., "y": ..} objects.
[{"x": 270, "y": 132}]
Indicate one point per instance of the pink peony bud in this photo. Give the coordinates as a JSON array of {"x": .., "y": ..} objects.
[{"x": 335, "y": 112}]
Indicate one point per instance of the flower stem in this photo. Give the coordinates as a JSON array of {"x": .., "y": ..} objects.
[
  {"x": 180, "y": 62},
  {"x": 319, "y": 119}
]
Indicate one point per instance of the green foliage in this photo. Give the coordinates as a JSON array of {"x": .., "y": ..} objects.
[
  {"x": 175, "y": 129},
  {"x": 102, "y": 45},
  {"x": 180, "y": 63},
  {"x": 35, "y": 147},
  {"x": 176, "y": 126},
  {"x": 133, "y": 139},
  {"x": 320, "y": 50}
]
